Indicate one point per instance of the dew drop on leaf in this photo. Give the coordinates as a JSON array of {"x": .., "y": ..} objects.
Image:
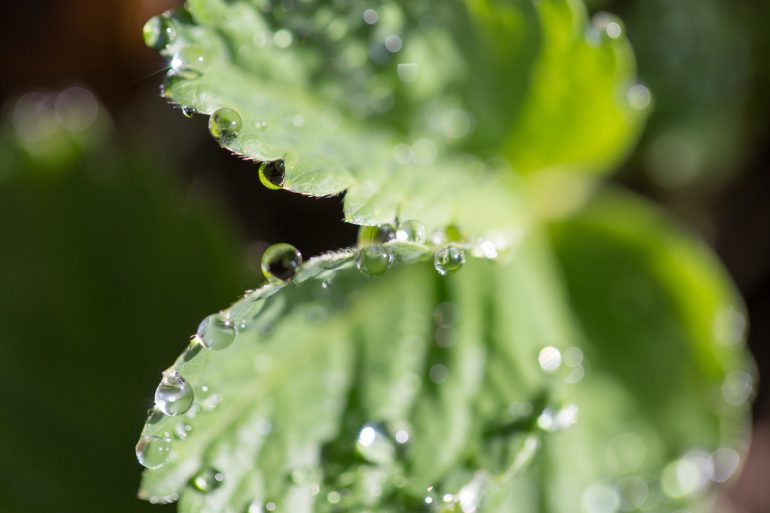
[
  {"x": 158, "y": 32},
  {"x": 152, "y": 451},
  {"x": 379, "y": 234},
  {"x": 188, "y": 111},
  {"x": 174, "y": 395},
  {"x": 449, "y": 260},
  {"x": 224, "y": 125},
  {"x": 374, "y": 260},
  {"x": 272, "y": 174},
  {"x": 281, "y": 262},
  {"x": 410, "y": 231},
  {"x": 208, "y": 480},
  {"x": 216, "y": 332}
]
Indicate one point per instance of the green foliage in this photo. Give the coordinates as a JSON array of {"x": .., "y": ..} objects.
[
  {"x": 478, "y": 88},
  {"x": 103, "y": 262},
  {"x": 334, "y": 391}
]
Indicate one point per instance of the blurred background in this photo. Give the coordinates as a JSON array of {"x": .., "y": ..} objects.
[{"x": 122, "y": 222}]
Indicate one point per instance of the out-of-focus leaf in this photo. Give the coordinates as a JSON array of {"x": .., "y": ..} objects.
[
  {"x": 667, "y": 378},
  {"x": 103, "y": 260}
]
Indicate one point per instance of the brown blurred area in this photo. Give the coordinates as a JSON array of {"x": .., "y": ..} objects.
[{"x": 52, "y": 44}]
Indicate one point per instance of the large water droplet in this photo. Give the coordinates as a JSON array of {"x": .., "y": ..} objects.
[
  {"x": 374, "y": 445},
  {"x": 411, "y": 231},
  {"x": 272, "y": 174},
  {"x": 158, "y": 32},
  {"x": 152, "y": 451},
  {"x": 208, "y": 480},
  {"x": 379, "y": 234},
  {"x": 216, "y": 331},
  {"x": 224, "y": 125},
  {"x": 449, "y": 260},
  {"x": 281, "y": 262},
  {"x": 374, "y": 260},
  {"x": 174, "y": 395}
]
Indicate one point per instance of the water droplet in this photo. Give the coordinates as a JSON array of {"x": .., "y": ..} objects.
[
  {"x": 684, "y": 477},
  {"x": 737, "y": 388},
  {"x": 182, "y": 430},
  {"x": 188, "y": 111},
  {"x": 374, "y": 445},
  {"x": 333, "y": 497},
  {"x": 216, "y": 332},
  {"x": 726, "y": 462},
  {"x": 573, "y": 357},
  {"x": 438, "y": 373},
  {"x": 282, "y": 38},
  {"x": 379, "y": 234},
  {"x": 280, "y": 262},
  {"x": 374, "y": 260},
  {"x": 401, "y": 436},
  {"x": 224, "y": 125},
  {"x": 449, "y": 260},
  {"x": 208, "y": 480},
  {"x": 174, "y": 395},
  {"x": 370, "y": 16},
  {"x": 605, "y": 26},
  {"x": 190, "y": 62},
  {"x": 393, "y": 43},
  {"x": 272, "y": 174},
  {"x": 638, "y": 97},
  {"x": 549, "y": 359},
  {"x": 158, "y": 32},
  {"x": 152, "y": 451},
  {"x": 410, "y": 231}
]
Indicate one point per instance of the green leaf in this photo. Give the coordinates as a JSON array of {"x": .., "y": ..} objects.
[
  {"x": 668, "y": 380},
  {"x": 481, "y": 369},
  {"x": 429, "y": 129}
]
